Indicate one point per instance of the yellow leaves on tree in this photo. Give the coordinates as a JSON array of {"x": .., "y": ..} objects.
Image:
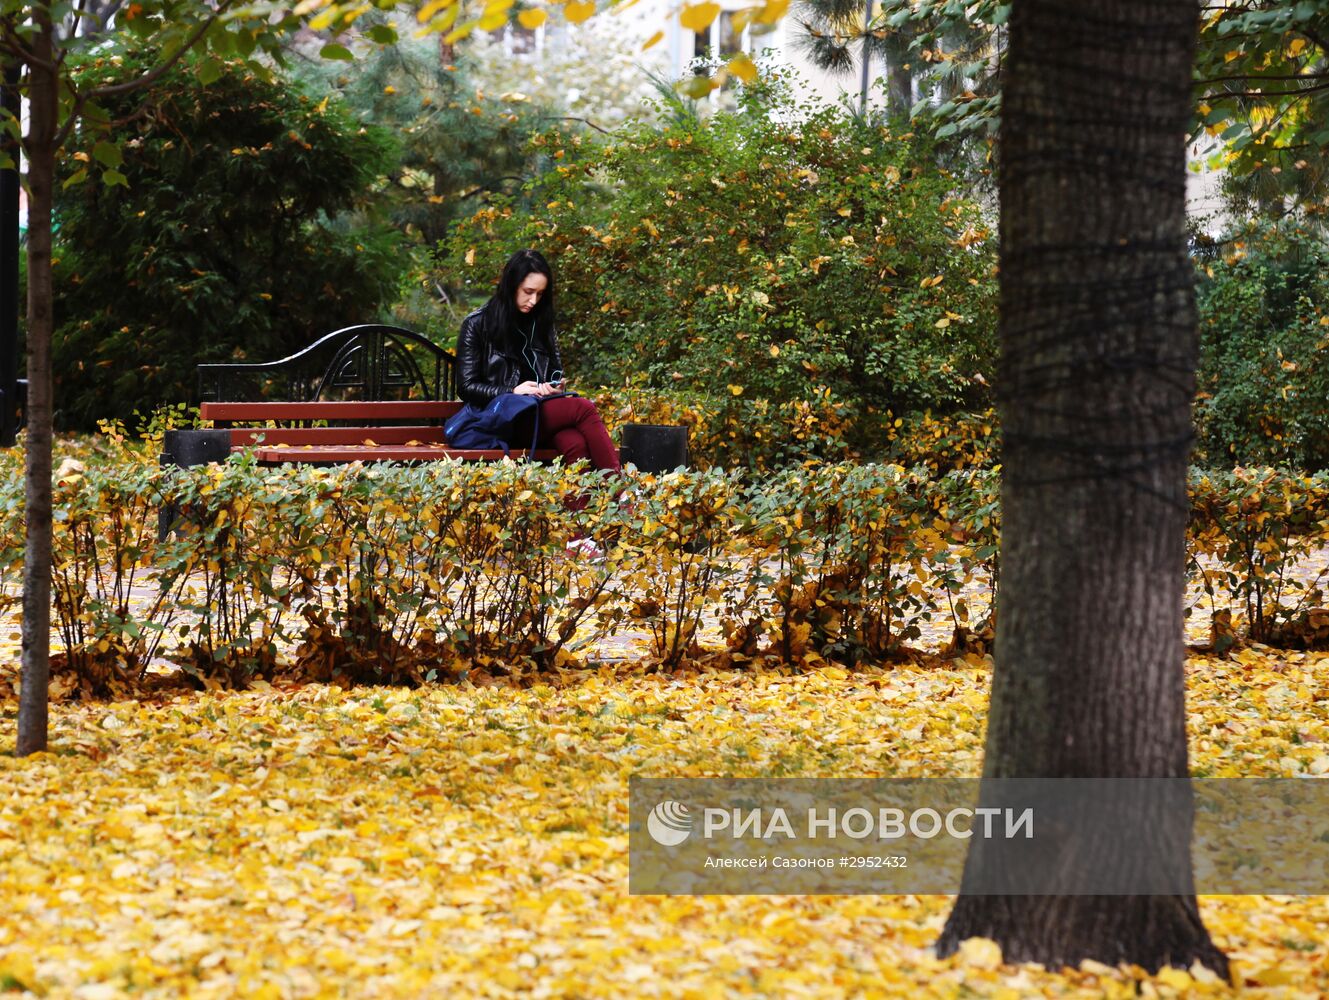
[
  {"x": 577, "y": 11},
  {"x": 532, "y": 18},
  {"x": 698, "y": 17},
  {"x": 430, "y": 10},
  {"x": 743, "y": 67},
  {"x": 495, "y": 15}
]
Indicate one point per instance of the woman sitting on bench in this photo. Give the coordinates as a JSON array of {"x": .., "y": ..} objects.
[{"x": 508, "y": 345}]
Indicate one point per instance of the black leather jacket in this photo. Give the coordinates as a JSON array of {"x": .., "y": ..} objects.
[{"x": 486, "y": 368}]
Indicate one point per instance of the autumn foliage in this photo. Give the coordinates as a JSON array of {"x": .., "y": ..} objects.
[
  {"x": 776, "y": 252},
  {"x": 1264, "y": 325},
  {"x": 451, "y": 571},
  {"x": 170, "y": 266}
]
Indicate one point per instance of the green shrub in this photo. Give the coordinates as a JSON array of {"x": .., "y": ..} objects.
[
  {"x": 945, "y": 444},
  {"x": 231, "y": 543},
  {"x": 776, "y": 252},
  {"x": 736, "y": 431},
  {"x": 386, "y": 574},
  {"x": 459, "y": 144},
  {"x": 676, "y": 546},
  {"x": 967, "y": 508},
  {"x": 854, "y": 550},
  {"x": 117, "y": 593},
  {"x": 227, "y": 243},
  {"x": 12, "y": 533},
  {"x": 1249, "y": 531},
  {"x": 451, "y": 571},
  {"x": 1264, "y": 374}
]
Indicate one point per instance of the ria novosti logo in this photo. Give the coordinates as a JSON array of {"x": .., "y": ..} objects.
[{"x": 669, "y": 823}]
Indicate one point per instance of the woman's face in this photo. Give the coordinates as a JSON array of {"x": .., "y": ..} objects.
[{"x": 531, "y": 290}]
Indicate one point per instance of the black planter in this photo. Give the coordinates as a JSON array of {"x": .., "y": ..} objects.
[
  {"x": 654, "y": 447},
  {"x": 185, "y": 448},
  {"x": 194, "y": 447}
]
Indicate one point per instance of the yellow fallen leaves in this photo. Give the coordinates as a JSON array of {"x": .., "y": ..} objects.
[
  {"x": 981, "y": 953},
  {"x": 461, "y": 841}
]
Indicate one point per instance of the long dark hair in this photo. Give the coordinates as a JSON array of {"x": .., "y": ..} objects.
[{"x": 500, "y": 312}]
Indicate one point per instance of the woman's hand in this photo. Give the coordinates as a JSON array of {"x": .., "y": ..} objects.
[{"x": 538, "y": 389}]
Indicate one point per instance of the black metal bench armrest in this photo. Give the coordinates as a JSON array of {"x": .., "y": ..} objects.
[{"x": 365, "y": 362}]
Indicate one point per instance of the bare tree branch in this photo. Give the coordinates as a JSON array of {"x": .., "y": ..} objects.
[
  {"x": 147, "y": 79},
  {"x": 574, "y": 118},
  {"x": 1314, "y": 38},
  {"x": 1224, "y": 95},
  {"x": 1256, "y": 77},
  {"x": 108, "y": 11},
  {"x": 110, "y": 123},
  {"x": 76, "y": 18},
  {"x": 9, "y": 42},
  {"x": 152, "y": 75},
  {"x": 480, "y": 189}
]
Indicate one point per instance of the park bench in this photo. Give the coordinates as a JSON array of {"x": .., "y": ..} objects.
[
  {"x": 373, "y": 431},
  {"x": 364, "y": 393},
  {"x": 361, "y": 394}
]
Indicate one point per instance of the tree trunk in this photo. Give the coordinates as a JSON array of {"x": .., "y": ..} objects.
[
  {"x": 9, "y": 251},
  {"x": 902, "y": 89},
  {"x": 900, "y": 92},
  {"x": 1098, "y": 356},
  {"x": 39, "y": 147}
]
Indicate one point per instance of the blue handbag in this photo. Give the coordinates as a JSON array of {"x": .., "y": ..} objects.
[{"x": 490, "y": 427}]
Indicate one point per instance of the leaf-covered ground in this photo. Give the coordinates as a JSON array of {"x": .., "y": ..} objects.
[{"x": 463, "y": 841}]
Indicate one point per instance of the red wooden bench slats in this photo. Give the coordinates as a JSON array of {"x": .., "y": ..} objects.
[
  {"x": 415, "y": 442},
  {"x": 244, "y": 436},
  {"x": 410, "y": 409},
  {"x": 389, "y": 453}
]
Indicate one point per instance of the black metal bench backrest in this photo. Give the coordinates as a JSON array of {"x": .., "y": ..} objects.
[{"x": 367, "y": 362}]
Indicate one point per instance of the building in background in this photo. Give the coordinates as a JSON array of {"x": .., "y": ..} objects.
[{"x": 618, "y": 37}]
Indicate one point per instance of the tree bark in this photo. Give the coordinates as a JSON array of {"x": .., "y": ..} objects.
[
  {"x": 1098, "y": 357},
  {"x": 9, "y": 250},
  {"x": 39, "y": 148},
  {"x": 900, "y": 91}
]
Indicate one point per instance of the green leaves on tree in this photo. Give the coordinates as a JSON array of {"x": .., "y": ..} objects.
[
  {"x": 209, "y": 70},
  {"x": 332, "y": 50},
  {"x": 194, "y": 272},
  {"x": 108, "y": 154},
  {"x": 747, "y": 258}
]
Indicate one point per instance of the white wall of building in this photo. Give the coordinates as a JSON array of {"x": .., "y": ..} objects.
[
  {"x": 620, "y": 34},
  {"x": 673, "y": 55}
]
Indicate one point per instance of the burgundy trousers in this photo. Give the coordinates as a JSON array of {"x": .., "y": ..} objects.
[{"x": 572, "y": 425}]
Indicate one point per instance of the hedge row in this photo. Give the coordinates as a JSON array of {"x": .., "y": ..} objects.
[
  {"x": 414, "y": 574},
  {"x": 737, "y": 431}
]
